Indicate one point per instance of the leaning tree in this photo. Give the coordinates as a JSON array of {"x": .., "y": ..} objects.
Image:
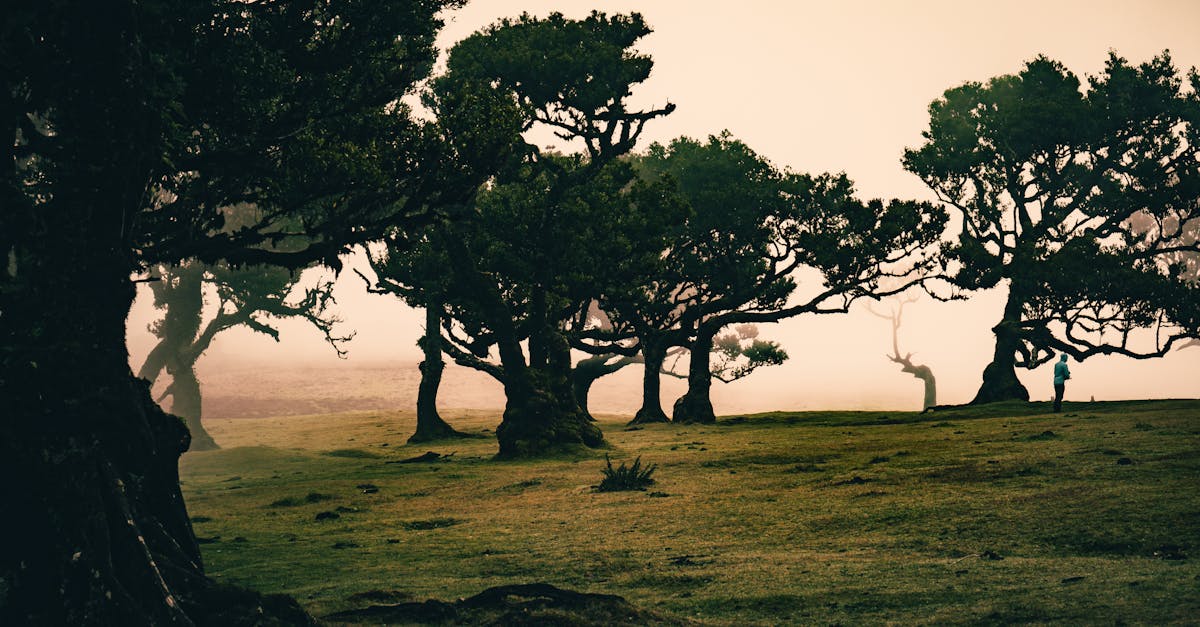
[
  {"x": 251, "y": 297},
  {"x": 129, "y": 128},
  {"x": 895, "y": 316},
  {"x": 753, "y": 230},
  {"x": 1079, "y": 200}
]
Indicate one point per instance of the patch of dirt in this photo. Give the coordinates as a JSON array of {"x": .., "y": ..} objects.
[
  {"x": 520, "y": 604},
  {"x": 433, "y": 523}
]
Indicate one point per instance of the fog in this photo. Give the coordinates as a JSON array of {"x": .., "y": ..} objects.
[{"x": 814, "y": 86}]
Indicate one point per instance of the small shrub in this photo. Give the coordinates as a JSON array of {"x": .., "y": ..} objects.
[{"x": 624, "y": 477}]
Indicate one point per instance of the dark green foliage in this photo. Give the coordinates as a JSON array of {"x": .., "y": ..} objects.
[
  {"x": 750, "y": 228},
  {"x": 1084, "y": 199},
  {"x": 740, "y": 353},
  {"x": 130, "y": 131},
  {"x": 623, "y": 478},
  {"x": 550, "y": 232}
]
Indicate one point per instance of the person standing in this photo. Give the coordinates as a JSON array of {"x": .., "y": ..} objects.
[{"x": 1061, "y": 374}]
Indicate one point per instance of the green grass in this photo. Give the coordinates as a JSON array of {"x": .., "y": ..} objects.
[{"x": 995, "y": 515}]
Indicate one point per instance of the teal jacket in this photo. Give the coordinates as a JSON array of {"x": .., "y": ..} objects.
[{"x": 1061, "y": 373}]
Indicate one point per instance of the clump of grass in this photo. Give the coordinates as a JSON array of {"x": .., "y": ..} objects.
[{"x": 623, "y": 477}]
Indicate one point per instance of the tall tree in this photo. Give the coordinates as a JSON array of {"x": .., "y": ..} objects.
[
  {"x": 128, "y": 127},
  {"x": 536, "y": 244},
  {"x": 416, "y": 273},
  {"x": 751, "y": 231},
  {"x": 546, "y": 254},
  {"x": 1049, "y": 180},
  {"x": 246, "y": 297}
]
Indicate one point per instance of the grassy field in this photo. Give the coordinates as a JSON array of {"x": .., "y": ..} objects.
[{"x": 993, "y": 515}]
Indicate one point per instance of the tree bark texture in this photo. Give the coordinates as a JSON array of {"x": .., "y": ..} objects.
[
  {"x": 541, "y": 414},
  {"x": 695, "y": 406},
  {"x": 651, "y": 410},
  {"x": 430, "y": 425},
  {"x": 1000, "y": 382},
  {"x": 96, "y": 528},
  {"x": 581, "y": 386}
]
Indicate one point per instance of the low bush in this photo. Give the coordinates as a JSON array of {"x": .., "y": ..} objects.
[{"x": 623, "y": 477}]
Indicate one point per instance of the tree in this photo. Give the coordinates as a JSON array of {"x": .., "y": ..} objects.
[
  {"x": 1048, "y": 180},
  {"x": 594, "y": 322},
  {"x": 541, "y": 265},
  {"x": 593, "y": 367},
  {"x": 417, "y": 274},
  {"x": 1188, "y": 261},
  {"x": 740, "y": 353},
  {"x": 920, "y": 371},
  {"x": 249, "y": 297},
  {"x": 129, "y": 128},
  {"x": 751, "y": 228},
  {"x": 532, "y": 251}
]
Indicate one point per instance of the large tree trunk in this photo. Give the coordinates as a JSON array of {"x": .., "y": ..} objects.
[
  {"x": 588, "y": 370},
  {"x": 582, "y": 378},
  {"x": 651, "y": 410},
  {"x": 96, "y": 532},
  {"x": 541, "y": 414},
  {"x": 1000, "y": 382},
  {"x": 695, "y": 406},
  {"x": 430, "y": 425}
]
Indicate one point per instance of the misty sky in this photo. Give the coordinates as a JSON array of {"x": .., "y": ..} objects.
[{"x": 818, "y": 86}]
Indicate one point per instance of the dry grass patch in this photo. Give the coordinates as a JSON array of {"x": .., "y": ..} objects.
[{"x": 956, "y": 517}]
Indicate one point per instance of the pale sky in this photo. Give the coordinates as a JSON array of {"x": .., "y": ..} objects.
[{"x": 823, "y": 86}]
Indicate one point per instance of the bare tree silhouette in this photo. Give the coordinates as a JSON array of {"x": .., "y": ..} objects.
[{"x": 920, "y": 371}]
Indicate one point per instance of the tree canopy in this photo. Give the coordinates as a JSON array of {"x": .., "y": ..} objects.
[
  {"x": 1080, "y": 200},
  {"x": 750, "y": 231},
  {"x": 526, "y": 255},
  {"x": 131, "y": 129}
]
